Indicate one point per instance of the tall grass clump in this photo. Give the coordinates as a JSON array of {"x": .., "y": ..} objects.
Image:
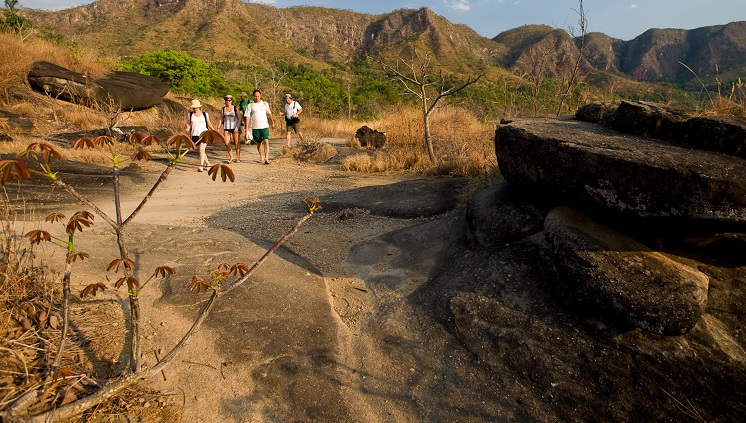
[
  {"x": 17, "y": 56},
  {"x": 463, "y": 145},
  {"x": 729, "y": 100},
  {"x": 29, "y": 316}
]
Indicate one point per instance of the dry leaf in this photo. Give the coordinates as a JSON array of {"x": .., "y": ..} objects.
[{"x": 69, "y": 397}]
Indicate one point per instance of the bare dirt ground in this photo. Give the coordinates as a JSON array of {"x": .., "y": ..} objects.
[
  {"x": 377, "y": 310},
  {"x": 287, "y": 346}
]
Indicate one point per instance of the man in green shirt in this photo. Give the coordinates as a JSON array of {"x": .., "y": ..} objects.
[{"x": 242, "y": 106}]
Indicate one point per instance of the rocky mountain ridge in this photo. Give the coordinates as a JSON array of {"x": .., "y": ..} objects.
[{"x": 230, "y": 30}]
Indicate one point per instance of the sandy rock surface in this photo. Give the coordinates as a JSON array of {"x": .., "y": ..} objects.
[{"x": 373, "y": 312}]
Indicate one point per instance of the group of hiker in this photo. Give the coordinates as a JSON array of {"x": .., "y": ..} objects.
[{"x": 253, "y": 118}]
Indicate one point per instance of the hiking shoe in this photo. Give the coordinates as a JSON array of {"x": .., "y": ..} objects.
[{"x": 199, "y": 169}]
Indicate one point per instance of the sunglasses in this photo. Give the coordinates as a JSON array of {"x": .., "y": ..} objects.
[{"x": 228, "y": 99}]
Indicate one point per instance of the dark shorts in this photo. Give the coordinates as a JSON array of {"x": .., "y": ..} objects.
[
  {"x": 195, "y": 140},
  {"x": 294, "y": 126},
  {"x": 260, "y": 135},
  {"x": 231, "y": 131}
]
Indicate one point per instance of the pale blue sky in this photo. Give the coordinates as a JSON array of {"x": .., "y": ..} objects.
[{"x": 624, "y": 19}]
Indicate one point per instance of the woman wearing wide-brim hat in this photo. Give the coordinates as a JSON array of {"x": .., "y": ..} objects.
[{"x": 198, "y": 123}]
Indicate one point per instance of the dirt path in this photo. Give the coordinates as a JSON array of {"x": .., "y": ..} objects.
[{"x": 289, "y": 345}]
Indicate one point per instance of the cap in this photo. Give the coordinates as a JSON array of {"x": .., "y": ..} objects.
[
  {"x": 243, "y": 94},
  {"x": 228, "y": 97},
  {"x": 288, "y": 96},
  {"x": 195, "y": 104}
]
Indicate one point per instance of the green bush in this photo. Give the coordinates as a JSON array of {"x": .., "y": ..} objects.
[
  {"x": 12, "y": 22},
  {"x": 183, "y": 73}
]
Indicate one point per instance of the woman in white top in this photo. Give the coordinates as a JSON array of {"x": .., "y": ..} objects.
[
  {"x": 198, "y": 123},
  {"x": 230, "y": 120}
]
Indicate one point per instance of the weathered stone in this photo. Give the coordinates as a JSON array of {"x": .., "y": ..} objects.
[
  {"x": 648, "y": 119},
  {"x": 59, "y": 82},
  {"x": 406, "y": 200},
  {"x": 500, "y": 215},
  {"x": 726, "y": 134},
  {"x": 641, "y": 286},
  {"x": 171, "y": 106},
  {"x": 124, "y": 90},
  {"x": 147, "y": 82},
  {"x": 370, "y": 137},
  {"x": 596, "y": 111},
  {"x": 44, "y": 69},
  {"x": 584, "y": 164},
  {"x": 16, "y": 122}
]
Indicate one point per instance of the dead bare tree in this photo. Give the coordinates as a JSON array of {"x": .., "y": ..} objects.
[
  {"x": 572, "y": 78},
  {"x": 430, "y": 86},
  {"x": 276, "y": 77},
  {"x": 536, "y": 68}
]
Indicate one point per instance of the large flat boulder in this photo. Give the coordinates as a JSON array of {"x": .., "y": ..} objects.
[
  {"x": 588, "y": 165},
  {"x": 120, "y": 90},
  {"x": 130, "y": 91},
  {"x": 726, "y": 134},
  {"x": 642, "y": 287}
]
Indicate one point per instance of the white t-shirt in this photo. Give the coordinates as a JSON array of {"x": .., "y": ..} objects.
[
  {"x": 291, "y": 109},
  {"x": 258, "y": 114}
]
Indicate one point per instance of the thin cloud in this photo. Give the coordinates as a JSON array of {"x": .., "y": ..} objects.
[
  {"x": 263, "y": 1},
  {"x": 458, "y": 5},
  {"x": 633, "y": 6}
]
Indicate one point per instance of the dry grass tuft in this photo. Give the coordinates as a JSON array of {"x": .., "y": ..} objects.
[
  {"x": 340, "y": 128},
  {"x": 27, "y": 309},
  {"x": 16, "y": 58},
  {"x": 463, "y": 146},
  {"x": 310, "y": 151},
  {"x": 728, "y": 102}
]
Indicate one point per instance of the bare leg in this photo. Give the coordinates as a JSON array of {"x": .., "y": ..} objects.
[
  {"x": 227, "y": 139},
  {"x": 237, "y": 144},
  {"x": 265, "y": 147},
  {"x": 203, "y": 155},
  {"x": 259, "y": 149},
  {"x": 300, "y": 134},
  {"x": 288, "y": 137}
]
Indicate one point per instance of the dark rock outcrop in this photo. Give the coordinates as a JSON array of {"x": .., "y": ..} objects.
[
  {"x": 16, "y": 122},
  {"x": 725, "y": 134},
  {"x": 500, "y": 215},
  {"x": 123, "y": 90},
  {"x": 132, "y": 90},
  {"x": 591, "y": 167},
  {"x": 370, "y": 138},
  {"x": 642, "y": 287},
  {"x": 405, "y": 200},
  {"x": 654, "y": 201}
]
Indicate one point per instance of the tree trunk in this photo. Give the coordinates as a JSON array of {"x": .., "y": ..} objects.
[{"x": 426, "y": 123}]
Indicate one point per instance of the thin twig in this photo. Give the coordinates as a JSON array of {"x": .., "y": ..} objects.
[
  {"x": 199, "y": 364},
  {"x": 689, "y": 411}
]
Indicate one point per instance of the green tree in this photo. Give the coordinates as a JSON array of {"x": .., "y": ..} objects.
[
  {"x": 180, "y": 71},
  {"x": 14, "y": 23},
  {"x": 321, "y": 93}
]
